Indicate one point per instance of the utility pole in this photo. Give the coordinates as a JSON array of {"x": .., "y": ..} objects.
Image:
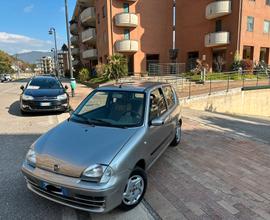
[{"x": 72, "y": 80}]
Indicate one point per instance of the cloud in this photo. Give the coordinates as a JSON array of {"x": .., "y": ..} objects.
[
  {"x": 14, "y": 43},
  {"x": 28, "y": 8}
]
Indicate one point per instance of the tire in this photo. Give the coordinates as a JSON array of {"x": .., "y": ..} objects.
[
  {"x": 23, "y": 112},
  {"x": 141, "y": 176},
  {"x": 178, "y": 135}
]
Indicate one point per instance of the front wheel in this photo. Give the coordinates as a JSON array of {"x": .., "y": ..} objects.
[
  {"x": 178, "y": 134},
  {"x": 134, "y": 190}
]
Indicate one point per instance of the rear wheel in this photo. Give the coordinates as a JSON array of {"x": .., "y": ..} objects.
[
  {"x": 178, "y": 134},
  {"x": 134, "y": 190}
]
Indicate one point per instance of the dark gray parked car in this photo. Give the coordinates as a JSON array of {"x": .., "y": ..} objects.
[{"x": 98, "y": 158}]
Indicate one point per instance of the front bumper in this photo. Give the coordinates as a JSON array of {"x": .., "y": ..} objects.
[
  {"x": 36, "y": 106},
  {"x": 73, "y": 192}
]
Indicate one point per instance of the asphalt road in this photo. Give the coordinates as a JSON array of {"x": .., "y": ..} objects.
[{"x": 17, "y": 133}]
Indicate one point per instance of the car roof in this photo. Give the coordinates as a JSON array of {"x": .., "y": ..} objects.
[
  {"x": 44, "y": 77},
  {"x": 133, "y": 86}
]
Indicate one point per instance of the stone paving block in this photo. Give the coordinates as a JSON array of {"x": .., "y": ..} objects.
[{"x": 228, "y": 207}]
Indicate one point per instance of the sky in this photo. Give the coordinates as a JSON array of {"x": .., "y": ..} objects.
[{"x": 24, "y": 24}]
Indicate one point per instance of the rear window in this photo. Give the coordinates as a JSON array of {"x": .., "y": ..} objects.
[{"x": 44, "y": 83}]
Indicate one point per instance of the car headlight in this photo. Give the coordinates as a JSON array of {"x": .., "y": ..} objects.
[
  {"x": 31, "y": 157},
  {"x": 62, "y": 97},
  {"x": 97, "y": 173},
  {"x": 27, "y": 97}
]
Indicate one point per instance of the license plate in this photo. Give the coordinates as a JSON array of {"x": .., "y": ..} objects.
[
  {"x": 54, "y": 189},
  {"x": 44, "y": 104}
]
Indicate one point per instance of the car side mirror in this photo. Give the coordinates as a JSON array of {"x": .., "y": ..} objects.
[
  {"x": 71, "y": 112},
  {"x": 157, "y": 122},
  {"x": 66, "y": 87},
  {"x": 22, "y": 87}
]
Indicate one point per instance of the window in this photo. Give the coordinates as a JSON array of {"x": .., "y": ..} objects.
[
  {"x": 264, "y": 54},
  {"x": 250, "y": 23},
  {"x": 248, "y": 52},
  {"x": 97, "y": 101},
  {"x": 157, "y": 104},
  {"x": 98, "y": 19},
  {"x": 103, "y": 12},
  {"x": 126, "y": 34},
  {"x": 112, "y": 109},
  {"x": 169, "y": 95},
  {"x": 218, "y": 25},
  {"x": 266, "y": 27},
  {"x": 126, "y": 7}
]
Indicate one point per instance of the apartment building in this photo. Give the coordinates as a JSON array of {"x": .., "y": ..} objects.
[
  {"x": 47, "y": 64},
  {"x": 145, "y": 31},
  {"x": 63, "y": 64}
]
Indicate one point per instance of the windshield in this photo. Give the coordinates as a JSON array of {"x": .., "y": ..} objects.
[
  {"x": 112, "y": 108},
  {"x": 44, "y": 83}
]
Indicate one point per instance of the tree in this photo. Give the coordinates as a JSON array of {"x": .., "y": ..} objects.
[
  {"x": 116, "y": 67},
  {"x": 5, "y": 62}
]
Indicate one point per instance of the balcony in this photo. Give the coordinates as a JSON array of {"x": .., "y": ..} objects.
[
  {"x": 126, "y": 20},
  {"x": 90, "y": 54},
  {"x": 88, "y": 17},
  {"x": 89, "y": 36},
  {"x": 74, "y": 40},
  {"x": 74, "y": 29},
  {"x": 75, "y": 62},
  {"x": 217, "y": 9},
  {"x": 126, "y": 46},
  {"x": 75, "y": 51},
  {"x": 217, "y": 39},
  {"x": 86, "y": 3}
]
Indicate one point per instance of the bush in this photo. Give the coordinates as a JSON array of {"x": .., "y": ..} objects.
[
  {"x": 84, "y": 75},
  {"x": 100, "y": 70},
  {"x": 247, "y": 65},
  {"x": 116, "y": 67}
]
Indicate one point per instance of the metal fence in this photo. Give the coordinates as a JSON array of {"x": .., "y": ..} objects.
[
  {"x": 224, "y": 82},
  {"x": 156, "y": 69}
]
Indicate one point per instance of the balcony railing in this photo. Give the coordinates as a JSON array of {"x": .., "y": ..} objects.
[
  {"x": 74, "y": 28},
  {"x": 75, "y": 51},
  {"x": 75, "y": 62},
  {"x": 217, "y": 9},
  {"x": 217, "y": 39},
  {"x": 127, "y": 46},
  {"x": 126, "y": 20},
  {"x": 90, "y": 54},
  {"x": 89, "y": 36},
  {"x": 74, "y": 40},
  {"x": 88, "y": 17},
  {"x": 86, "y": 3}
]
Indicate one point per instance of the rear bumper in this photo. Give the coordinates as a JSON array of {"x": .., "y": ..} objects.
[
  {"x": 86, "y": 196},
  {"x": 35, "y": 106}
]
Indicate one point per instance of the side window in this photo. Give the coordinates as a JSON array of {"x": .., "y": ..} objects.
[
  {"x": 169, "y": 95},
  {"x": 157, "y": 104}
]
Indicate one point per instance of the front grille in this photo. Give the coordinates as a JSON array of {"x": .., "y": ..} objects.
[{"x": 78, "y": 201}]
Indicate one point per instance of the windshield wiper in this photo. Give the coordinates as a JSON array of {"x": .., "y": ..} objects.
[
  {"x": 106, "y": 123},
  {"x": 85, "y": 119}
]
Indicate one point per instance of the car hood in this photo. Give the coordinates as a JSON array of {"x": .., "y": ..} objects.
[
  {"x": 71, "y": 147},
  {"x": 43, "y": 92}
]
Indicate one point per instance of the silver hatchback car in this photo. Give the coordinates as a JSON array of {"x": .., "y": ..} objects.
[{"x": 98, "y": 158}]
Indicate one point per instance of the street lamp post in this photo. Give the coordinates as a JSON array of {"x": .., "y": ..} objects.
[
  {"x": 72, "y": 80},
  {"x": 53, "y": 32}
]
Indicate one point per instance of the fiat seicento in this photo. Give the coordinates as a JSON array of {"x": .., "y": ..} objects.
[{"x": 97, "y": 159}]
